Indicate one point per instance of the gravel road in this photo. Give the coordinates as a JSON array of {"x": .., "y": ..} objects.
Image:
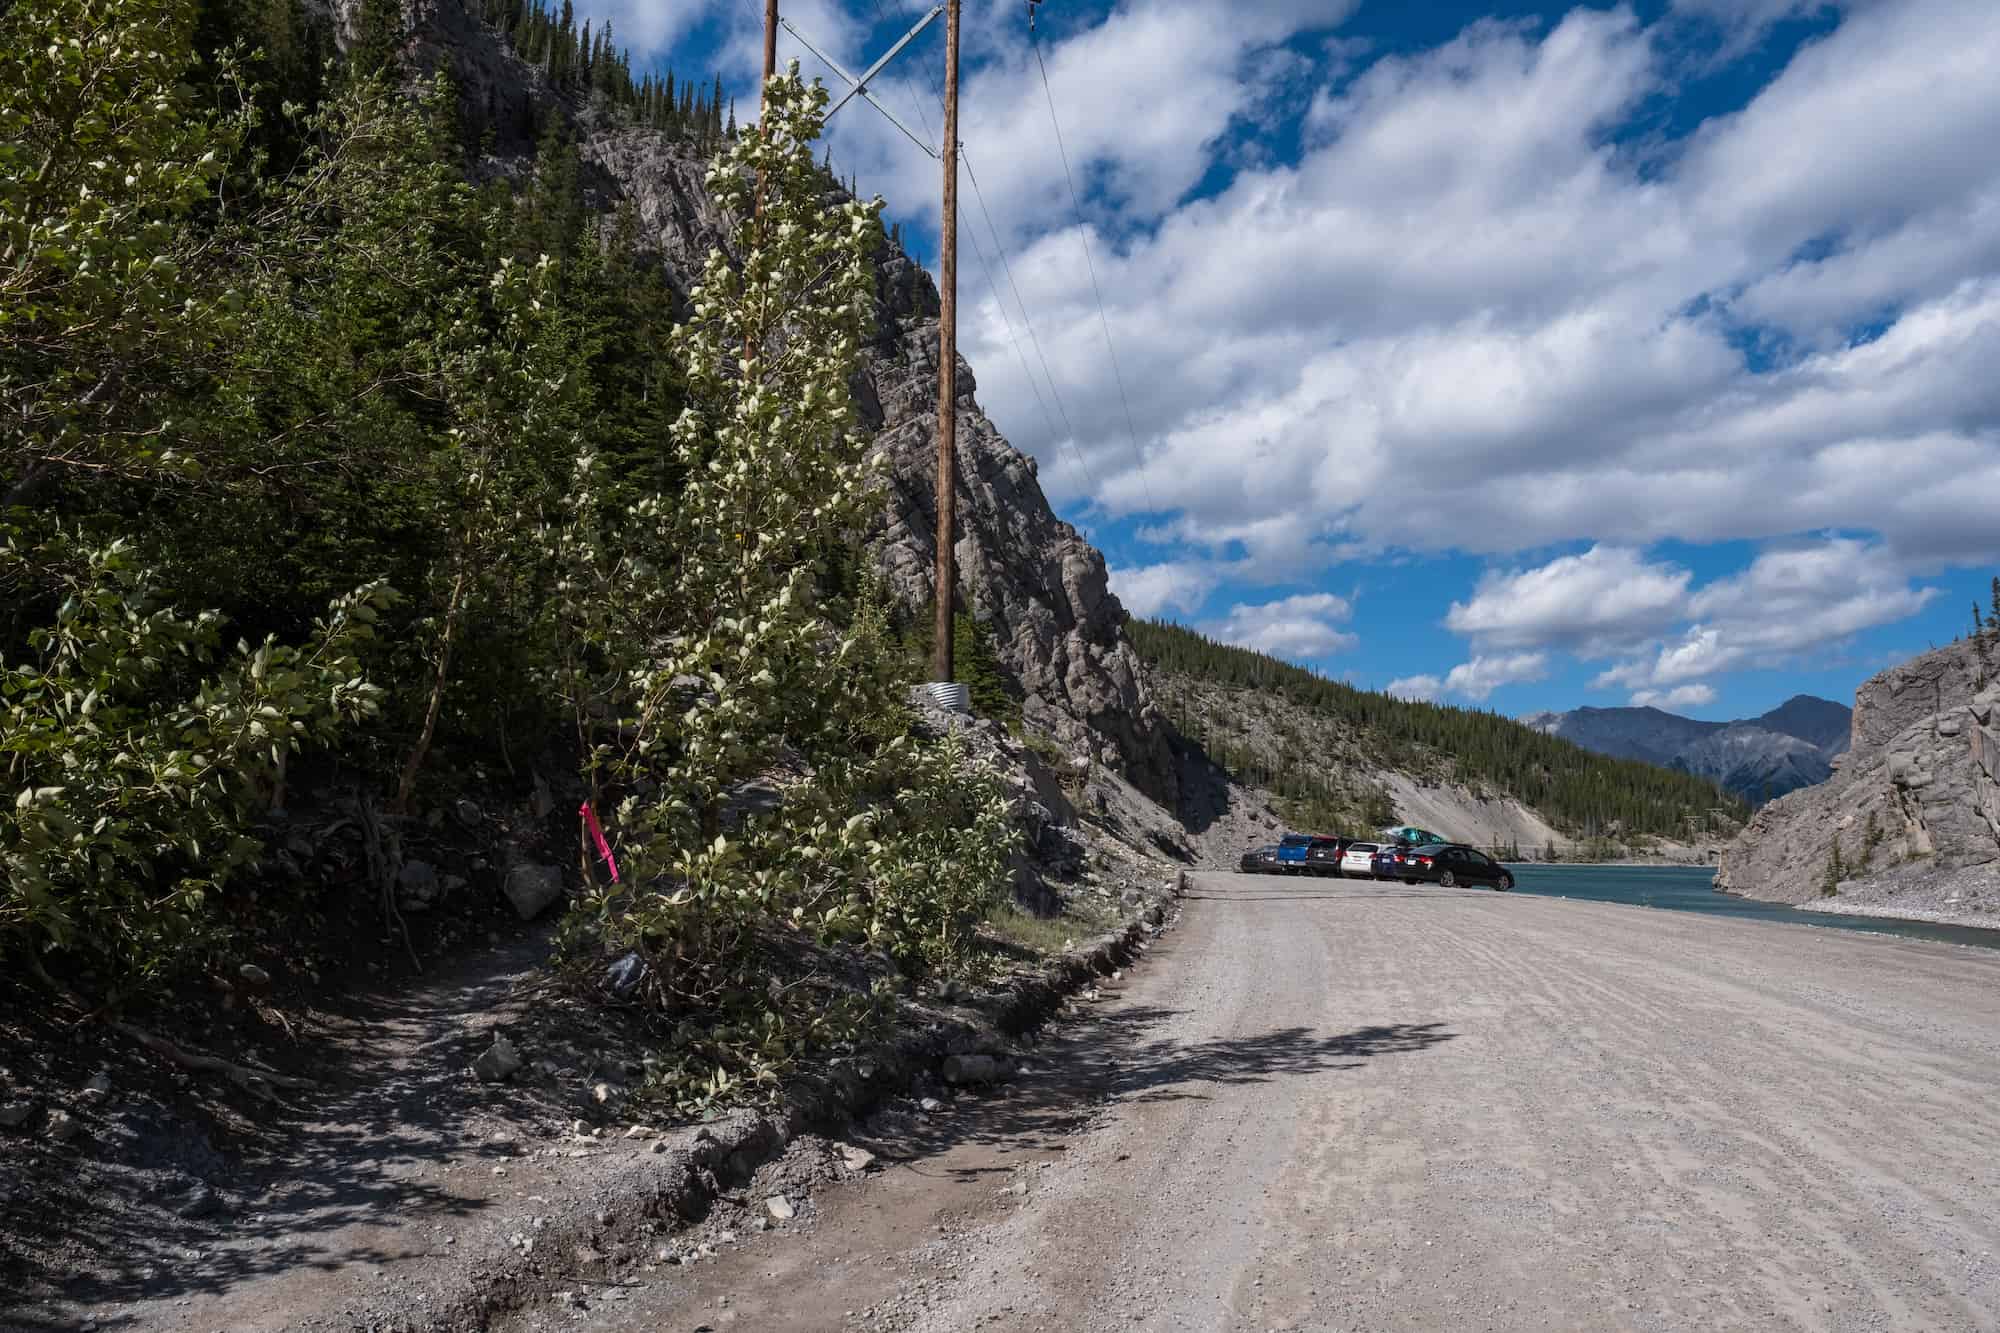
[{"x": 1334, "y": 1105}]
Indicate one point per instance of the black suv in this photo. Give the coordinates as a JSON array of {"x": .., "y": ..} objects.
[{"x": 1323, "y": 856}]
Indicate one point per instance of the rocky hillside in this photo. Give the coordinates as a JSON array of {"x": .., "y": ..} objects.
[
  {"x": 1910, "y": 822},
  {"x": 1756, "y": 758},
  {"x": 1338, "y": 759},
  {"x": 1038, "y": 587}
]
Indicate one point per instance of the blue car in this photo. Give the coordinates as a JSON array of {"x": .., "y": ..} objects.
[
  {"x": 1292, "y": 850},
  {"x": 1295, "y": 854}
]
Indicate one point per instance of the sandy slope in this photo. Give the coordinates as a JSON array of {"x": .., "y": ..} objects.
[{"x": 1332, "y": 1105}]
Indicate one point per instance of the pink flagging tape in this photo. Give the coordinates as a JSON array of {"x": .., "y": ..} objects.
[{"x": 597, "y": 835}]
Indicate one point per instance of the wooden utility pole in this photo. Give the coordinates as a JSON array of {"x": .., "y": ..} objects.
[
  {"x": 770, "y": 50},
  {"x": 947, "y": 428},
  {"x": 770, "y": 68}
]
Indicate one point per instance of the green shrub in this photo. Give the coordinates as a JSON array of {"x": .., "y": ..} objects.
[{"x": 134, "y": 774}]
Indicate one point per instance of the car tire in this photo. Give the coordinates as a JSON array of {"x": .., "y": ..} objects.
[
  {"x": 1506, "y": 883},
  {"x": 1409, "y": 881},
  {"x": 1447, "y": 880}
]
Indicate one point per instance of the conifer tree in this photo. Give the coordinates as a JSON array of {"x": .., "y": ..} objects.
[{"x": 378, "y": 36}]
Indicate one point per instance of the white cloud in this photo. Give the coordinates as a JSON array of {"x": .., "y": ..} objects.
[
  {"x": 1606, "y": 598},
  {"x": 1473, "y": 680},
  {"x": 1423, "y": 689},
  {"x": 1791, "y": 600},
  {"x": 1293, "y": 627},
  {"x": 1483, "y": 675},
  {"x": 1464, "y": 288},
  {"x": 1686, "y": 696},
  {"x": 1173, "y": 586},
  {"x": 1468, "y": 288},
  {"x": 641, "y": 26}
]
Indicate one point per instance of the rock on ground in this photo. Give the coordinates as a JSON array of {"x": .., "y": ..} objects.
[{"x": 531, "y": 888}]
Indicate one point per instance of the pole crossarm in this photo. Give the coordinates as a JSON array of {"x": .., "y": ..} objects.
[{"x": 859, "y": 86}]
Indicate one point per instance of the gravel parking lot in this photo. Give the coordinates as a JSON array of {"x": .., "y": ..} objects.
[{"x": 1335, "y": 1105}]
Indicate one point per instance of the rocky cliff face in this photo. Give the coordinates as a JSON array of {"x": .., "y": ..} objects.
[
  {"x": 1914, "y": 804},
  {"x": 1038, "y": 586}
]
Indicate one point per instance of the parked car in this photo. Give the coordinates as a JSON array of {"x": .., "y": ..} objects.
[
  {"x": 1323, "y": 856},
  {"x": 1445, "y": 864},
  {"x": 1259, "y": 861},
  {"x": 1355, "y": 859},
  {"x": 1292, "y": 850}
]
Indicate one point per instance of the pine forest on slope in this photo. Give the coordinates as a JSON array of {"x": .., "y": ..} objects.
[{"x": 1327, "y": 763}]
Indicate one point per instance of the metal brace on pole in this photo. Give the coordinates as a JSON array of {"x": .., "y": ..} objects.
[{"x": 859, "y": 86}]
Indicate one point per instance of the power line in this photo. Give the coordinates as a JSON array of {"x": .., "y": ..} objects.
[
  {"x": 1068, "y": 434},
  {"x": 1083, "y": 235},
  {"x": 923, "y": 118},
  {"x": 1008, "y": 269}
]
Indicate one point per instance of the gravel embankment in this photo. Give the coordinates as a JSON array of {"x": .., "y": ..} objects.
[{"x": 1968, "y": 896}]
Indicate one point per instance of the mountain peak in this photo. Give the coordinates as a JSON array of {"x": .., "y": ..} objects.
[{"x": 1756, "y": 758}]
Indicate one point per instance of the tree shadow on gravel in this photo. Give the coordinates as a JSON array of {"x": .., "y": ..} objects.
[
  {"x": 1112, "y": 1057},
  {"x": 155, "y": 1202}
]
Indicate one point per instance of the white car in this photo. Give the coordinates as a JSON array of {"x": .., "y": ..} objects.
[{"x": 1358, "y": 859}]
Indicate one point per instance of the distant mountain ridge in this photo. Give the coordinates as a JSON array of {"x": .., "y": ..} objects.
[
  {"x": 1757, "y": 758},
  {"x": 1337, "y": 759}
]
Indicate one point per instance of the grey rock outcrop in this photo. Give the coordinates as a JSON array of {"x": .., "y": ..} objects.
[
  {"x": 1039, "y": 588},
  {"x": 1915, "y": 803}
]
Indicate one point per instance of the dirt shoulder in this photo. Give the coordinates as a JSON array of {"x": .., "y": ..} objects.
[{"x": 402, "y": 1191}]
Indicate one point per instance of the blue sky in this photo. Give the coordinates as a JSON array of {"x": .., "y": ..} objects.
[{"x": 1522, "y": 356}]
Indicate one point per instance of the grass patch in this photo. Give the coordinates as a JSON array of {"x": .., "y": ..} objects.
[
  {"x": 1043, "y": 936},
  {"x": 1011, "y": 931}
]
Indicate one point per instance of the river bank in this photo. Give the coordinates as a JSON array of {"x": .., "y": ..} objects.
[
  {"x": 1968, "y": 896},
  {"x": 1690, "y": 889}
]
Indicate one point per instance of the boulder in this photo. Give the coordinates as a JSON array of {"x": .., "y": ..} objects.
[
  {"x": 531, "y": 888},
  {"x": 961, "y": 1069},
  {"x": 499, "y": 1062},
  {"x": 417, "y": 886}
]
